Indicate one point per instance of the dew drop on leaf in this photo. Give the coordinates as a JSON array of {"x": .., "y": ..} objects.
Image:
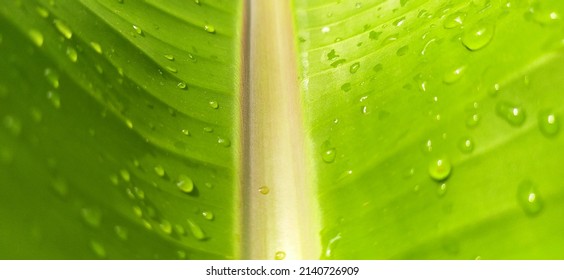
[
  {"x": 72, "y": 54},
  {"x": 60, "y": 187},
  {"x": 440, "y": 169},
  {"x": 466, "y": 145},
  {"x": 91, "y": 216},
  {"x": 346, "y": 87},
  {"x": 185, "y": 184},
  {"x": 36, "y": 37},
  {"x": 402, "y": 51},
  {"x": 441, "y": 189},
  {"x": 159, "y": 170},
  {"x": 98, "y": 249},
  {"x": 329, "y": 155},
  {"x": 54, "y": 98},
  {"x": 121, "y": 232},
  {"x": 209, "y": 28},
  {"x": 548, "y": 124},
  {"x": 138, "y": 30},
  {"x": 208, "y": 215},
  {"x": 373, "y": 35},
  {"x": 454, "y": 20},
  {"x": 96, "y": 46},
  {"x": 169, "y": 57},
  {"x": 513, "y": 114},
  {"x": 181, "y": 85},
  {"x": 264, "y": 190},
  {"x": 196, "y": 230},
  {"x": 166, "y": 227},
  {"x": 63, "y": 28},
  {"x": 453, "y": 76},
  {"x": 52, "y": 77},
  {"x": 529, "y": 199},
  {"x": 354, "y": 67},
  {"x": 478, "y": 36},
  {"x": 473, "y": 120},
  {"x": 279, "y": 255},
  {"x": 213, "y": 104},
  {"x": 125, "y": 175},
  {"x": 42, "y": 12}
]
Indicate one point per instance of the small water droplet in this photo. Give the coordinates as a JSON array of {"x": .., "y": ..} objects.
[
  {"x": 454, "y": 20},
  {"x": 346, "y": 87},
  {"x": 280, "y": 255},
  {"x": 325, "y": 29},
  {"x": 354, "y": 67},
  {"x": 60, "y": 187},
  {"x": 129, "y": 123},
  {"x": 42, "y": 12},
  {"x": 329, "y": 155},
  {"x": 513, "y": 114},
  {"x": 377, "y": 68},
  {"x": 96, "y": 47},
  {"x": 98, "y": 249},
  {"x": 137, "y": 211},
  {"x": 478, "y": 36},
  {"x": 125, "y": 175},
  {"x": 159, "y": 170},
  {"x": 472, "y": 120},
  {"x": 209, "y": 28},
  {"x": 138, "y": 30},
  {"x": 169, "y": 57},
  {"x": 181, "y": 85},
  {"x": 166, "y": 227},
  {"x": 54, "y": 98},
  {"x": 264, "y": 190},
  {"x": 139, "y": 193},
  {"x": 36, "y": 37},
  {"x": 197, "y": 2},
  {"x": 373, "y": 35},
  {"x": 186, "y": 132},
  {"x": 466, "y": 145},
  {"x": 185, "y": 184},
  {"x": 91, "y": 216},
  {"x": 440, "y": 169},
  {"x": 223, "y": 142},
  {"x": 52, "y": 77},
  {"x": 63, "y": 28},
  {"x": 213, "y": 104},
  {"x": 548, "y": 124},
  {"x": 529, "y": 199},
  {"x": 171, "y": 69},
  {"x": 208, "y": 129},
  {"x": 121, "y": 232},
  {"x": 453, "y": 76},
  {"x": 196, "y": 230},
  {"x": 208, "y": 215},
  {"x": 441, "y": 190},
  {"x": 72, "y": 54}
]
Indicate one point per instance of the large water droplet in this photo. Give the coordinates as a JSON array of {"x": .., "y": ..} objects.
[
  {"x": 196, "y": 230},
  {"x": 529, "y": 199},
  {"x": 63, "y": 28},
  {"x": 185, "y": 184},
  {"x": 478, "y": 36},
  {"x": 548, "y": 124},
  {"x": 513, "y": 114},
  {"x": 440, "y": 169}
]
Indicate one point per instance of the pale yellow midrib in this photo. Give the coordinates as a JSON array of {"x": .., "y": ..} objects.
[{"x": 284, "y": 219}]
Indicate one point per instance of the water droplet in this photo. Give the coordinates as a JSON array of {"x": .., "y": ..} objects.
[
  {"x": 139, "y": 193},
  {"x": 377, "y": 68},
  {"x": 208, "y": 129},
  {"x": 54, "y": 98},
  {"x": 264, "y": 190},
  {"x": 159, "y": 170},
  {"x": 171, "y": 69},
  {"x": 402, "y": 51},
  {"x": 478, "y": 36},
  {"x": 325, "y": 29},
  {"x": 181, "y": 254},
  {"x": 453, "y": 76},
  {"x": 169, "y": 57},
  {"x": 466, "y": 145},
  {"x": 60, "y": 187},
  {"x": 91, "y": 216},
  {"x": 403, "y": 2},
  {"x": 72, "y": 54},
  {"x": 223, "y": 142},
  {"x": 121, "y": 232},
  {"x": 185, "y": 184},
  {"x": 441, "y": 190},
  {"x": 181, "y": 85},
  {"x": 346, "y": 87},
  {"x": 513, "y": 114},
  {"x": 98, "y": 249},
  {"x": 179, "y": 229},
  {"x": 440, "y": 169},
  {"x": 197, "y": 2},
  {"x": 36, "y": 37},
  {"x": 42, "y": 12},
  {"x": 529, "y": 199},
  {"x": 63, "y": 28},
  {"x": 96, "y": 47},
  {"x": 331, "y": 245},
  {"x": 373, "y": 35},
  {"x": 548, "y": 124},
  {"x": 137, "y": 211},
  {"x": 472, "y": 120},
  {"x": 166, "y": 227},
  {"x": 280, "y": 255},
  {"x": 125, "y": 175},
  {"x": 454, "y": 20},
  {"x": 129, "y": 123},
  {"x": 209, "y": 28},
  {"x": 213, "y": 104},
  {"x": 208, "y": 215},
  {"x": 329, "y": 155},
  {"x": 186, "y": 132},
  {"x": 138, "y": 30},
  {"x": 52, "y": 77},
  {"x": 196, "y": 230},
  {"x": 354, "y": 67}
]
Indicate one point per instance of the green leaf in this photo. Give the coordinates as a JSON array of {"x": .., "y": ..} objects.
[{"x": 417, "y": 129}]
